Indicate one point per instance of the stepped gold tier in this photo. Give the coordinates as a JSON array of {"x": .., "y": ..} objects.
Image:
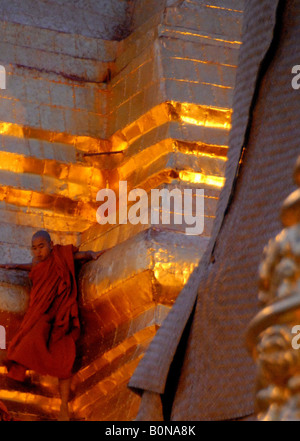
[{"x": 137, "y": 91}]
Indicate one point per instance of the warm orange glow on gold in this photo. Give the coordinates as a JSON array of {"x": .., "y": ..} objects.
[
  {"x": 207, "y": 37},
  {"x": 172, "y": 272},
  {"x": 155, "y": 117},
  {"x": 105, "y": 388},
  {"x": 224, "y": 9},
  {"x": 83, "y": 176},
  {"x": 205, "y": 116},
  {"x": 44, "y": 403},
  {"x": 201, "y": 149},
  {"x": 196, "y": 60},
  {"x": 84, "y": 143},
  {"x": 204, "y": 123},
  {"x": 202, "y": 82},
  {"x": 199, "y": 178},
  {"x": 57, "y": 204},
  {"x": 166, "y": 112},
  {"x": 126, "y": 346}
]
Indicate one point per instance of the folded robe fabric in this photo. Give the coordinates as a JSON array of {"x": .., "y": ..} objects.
[
  {"x": 4, "y": 415},
  {"x": 46, "y": 339}
]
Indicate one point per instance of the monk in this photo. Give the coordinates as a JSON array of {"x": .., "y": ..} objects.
[{"x": 46, "y": 339}]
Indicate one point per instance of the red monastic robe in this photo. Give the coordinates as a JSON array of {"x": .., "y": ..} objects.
[
  {"x": 4, "y": 415},
  {"x": 46, "y": 339}
]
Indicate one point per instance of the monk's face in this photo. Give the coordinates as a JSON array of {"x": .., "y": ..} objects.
[{"x": 41, "y": 249}]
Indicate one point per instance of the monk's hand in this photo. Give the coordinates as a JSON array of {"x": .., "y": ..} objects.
[{"x": 96, "y": 254}]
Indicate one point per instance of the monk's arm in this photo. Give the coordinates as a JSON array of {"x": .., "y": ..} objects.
[
  {"x": 17, "y": 266},
  {"x": 88, "y": 255}
]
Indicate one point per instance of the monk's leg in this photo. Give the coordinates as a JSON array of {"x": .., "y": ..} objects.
[
  {"x": 64, "y": 390},
  {"x": 3, "y": 355}
]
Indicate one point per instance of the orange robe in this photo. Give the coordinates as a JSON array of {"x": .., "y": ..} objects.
[{"x": 46, "y": 339}]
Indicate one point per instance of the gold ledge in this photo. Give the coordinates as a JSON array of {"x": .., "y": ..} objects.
[
  {"x": 182, "y": 32},
  {"x": 41, "y": 403},
  {"x": 223, "y": 8},
  {"x": 91, "y": 176},
  {"x": 188, "y": 113},
  {"x": 55, "y": 204},
  {"x": 79, "y": 174},
  {"x": 86, "y": 209},
  {"x": 127, "y": 348},
  {"x": 94, "y": 403},
  {"x": 202, "y": 149},
  {"x": 84, "y": 143}
]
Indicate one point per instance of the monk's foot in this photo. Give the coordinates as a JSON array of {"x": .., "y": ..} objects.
[{"x": 64, "y": 413}]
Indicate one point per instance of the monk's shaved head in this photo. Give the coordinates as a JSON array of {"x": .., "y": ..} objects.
[{"x": 42, "y": 234}]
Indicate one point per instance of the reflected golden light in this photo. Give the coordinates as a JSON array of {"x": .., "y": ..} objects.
[
  {"x": 127, "y": 346},
  {"x": 206, "y": 116},
  {"x": 57, "y": 204},
  {"x": 84, "y": 143},
  {"x": 201, "y": 82},
  {"x": 200, "y": 178},
  {"x": 190, "y": 113},
  {"x": 207, "y": 37},
  {"x": 46, "y": 404},
  {"x": 81, "y": 181},
  {"x": 204, "y": 123},
  {"x": 109, "y": 374},
  {"x": 224, "y": 9},
  {"x": 173, "y": 273},
  {"x": 104, "y": 392},
  {"x": 196, "y": 60},
  {"x": 212, "y": 151},
  {"x": 205, "y": 155}
]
